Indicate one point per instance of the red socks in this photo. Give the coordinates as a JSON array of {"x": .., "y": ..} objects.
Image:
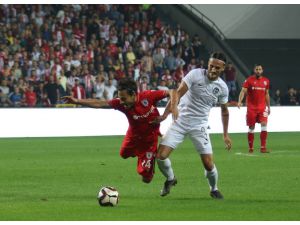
[
  {"x": 263, "y": 139},
  {"x": 250, "y": 140}
]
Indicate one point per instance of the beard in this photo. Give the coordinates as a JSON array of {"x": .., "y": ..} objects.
[{"x": 212, "y": 76}]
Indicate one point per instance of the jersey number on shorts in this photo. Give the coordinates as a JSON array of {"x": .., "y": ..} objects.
[{"x": 146, "y": 163}]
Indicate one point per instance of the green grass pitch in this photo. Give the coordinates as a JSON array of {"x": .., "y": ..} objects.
[{"x": 58, "y": 179}]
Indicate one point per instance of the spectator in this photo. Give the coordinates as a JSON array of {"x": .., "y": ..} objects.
[
  {"x": 16, "y": 98},
  {"x": 40, "y": 93},
  {"x": 4, "y": 91},
  {"x": 78, "y": 91},
  {"x": 120, "y": 72},
  {"x": 143, "y": 84},
  {"x": 179, "y": 61},
  {"x": 30, "y": 97},
  {"x": 93, "y": 28},
  {"x": 51, "y": 89},
  {"x": 147, "y": 62},
  {"x": 201, "y": 64},
  {"x": 192, "y": 65},
  {"x": 158, "y": 60},
  {"x": 166, "y": 75},
  {"x": 197, "y": 46},
  {"x": 16, "y": 72},
  {"x": 163, "y": 86},
  {"x": 230, "y": 79},
  {"x": 99, "y": 88},
  {"x": 170, "y": 61},
  {"x": 179, "y": 74},
  {"x": 110, "y": 90},
  {"x": 130, "y": 56},
  {"x": 111, "y": 76},
  {"x": 63, "y": 81},
  {"x": 278, "y": 98},
  {"x": 4, "y": 88},
  {"x": 88, "y": 81},
  {"x": 291, "y": 97}
]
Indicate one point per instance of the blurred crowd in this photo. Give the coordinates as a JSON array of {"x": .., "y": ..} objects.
[
  {"x": 290, "y": 98},
  {"x": 49, "y": 51}
]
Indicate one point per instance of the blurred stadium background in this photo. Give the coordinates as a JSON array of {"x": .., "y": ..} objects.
[{"x": 48, "y": 51}]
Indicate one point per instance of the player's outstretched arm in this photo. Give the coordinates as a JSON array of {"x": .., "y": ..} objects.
[
  {"x": 170, "y": 107},
  {"x": 90, "y": 102},
  {"x": 164, "y": 116},
  {"x": 167, "y": 110},
  {"x": 225, "y": 121},
  {"x": 241, "y": 97},
  {"x": 175, "y": 96},
  {"x": 172, "y": 104}
]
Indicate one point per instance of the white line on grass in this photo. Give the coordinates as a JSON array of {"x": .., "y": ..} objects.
[
  {"x": 275, "y": 152},
  {"x": 246, "y": 154},
  {"x": 285, "y": 151}
]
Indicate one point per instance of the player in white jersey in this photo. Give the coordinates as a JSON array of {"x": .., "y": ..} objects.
[{"x": 199, "y": 91}]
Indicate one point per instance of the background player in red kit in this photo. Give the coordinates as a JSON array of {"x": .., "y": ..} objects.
[
  {"x": 140, "y": 109},
  {"x": 256, "y": 87}
]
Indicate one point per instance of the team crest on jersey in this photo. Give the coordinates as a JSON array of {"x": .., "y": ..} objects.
[
  {"x": 216, "y": 91},
  {"x": 149, "y": 155},
  {"x": 145, "y": 102},
  {"x": 265, "y": 83}
]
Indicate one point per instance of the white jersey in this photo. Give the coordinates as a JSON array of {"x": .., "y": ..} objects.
[{"x": 202, "y": 95}]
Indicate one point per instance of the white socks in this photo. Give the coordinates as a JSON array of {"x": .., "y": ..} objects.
[
  {"x": 264, "y": 128},
  {"x": 166, "y": 168},
  {"x": 212, "y": 177},
  {"x": 251, "y": 130}
]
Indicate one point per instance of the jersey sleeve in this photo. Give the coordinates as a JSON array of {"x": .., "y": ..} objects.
[
  {"x": 268, "y": 84},
  {"x": 223, "y": 97},
  {"x": 246, "y": 84},
  {"x": 115, "y": 103},
  {"x": 190, "y": 78},
  {"x": 157, "y": 95}
]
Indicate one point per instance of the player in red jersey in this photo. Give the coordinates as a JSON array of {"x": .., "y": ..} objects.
[
  {"x": 256, "y": 87},
  {"x": 140, "y": 109}
]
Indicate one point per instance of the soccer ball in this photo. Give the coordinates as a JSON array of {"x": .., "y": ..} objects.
[{"x": 108, "y": 196}]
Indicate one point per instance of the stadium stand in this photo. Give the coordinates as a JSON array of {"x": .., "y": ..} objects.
[
  {"x": 49, "y": 51},
  {"x": 58, "y": 50}
]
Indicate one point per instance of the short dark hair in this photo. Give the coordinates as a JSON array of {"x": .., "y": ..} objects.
[
  {"x": 258, "y": 64},
  {"x": 218, "y": 55},
  {"x": 127, "y": 84}
]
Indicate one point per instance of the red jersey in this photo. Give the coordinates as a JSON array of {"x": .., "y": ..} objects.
[
  {"x": 30, "y": 97},
  {"x": 256, "y": 92},
  {"x": 142, "y": 113}
]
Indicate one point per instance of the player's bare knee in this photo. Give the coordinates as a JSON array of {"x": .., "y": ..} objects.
[
  {"x": 209, "y": 167},
  {"x": 163, "y": 152},
  {"x": 207, "y": 162}
]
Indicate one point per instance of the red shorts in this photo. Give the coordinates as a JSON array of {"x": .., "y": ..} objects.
[
  {"x": 256, "y": 116},
  {"x": 143, "y": 148}
]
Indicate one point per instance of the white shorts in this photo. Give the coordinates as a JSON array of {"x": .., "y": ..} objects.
[{"x": 198, "y": 134}]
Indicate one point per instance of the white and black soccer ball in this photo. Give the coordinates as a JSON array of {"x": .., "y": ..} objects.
[{"x": 108, "y": 196}]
